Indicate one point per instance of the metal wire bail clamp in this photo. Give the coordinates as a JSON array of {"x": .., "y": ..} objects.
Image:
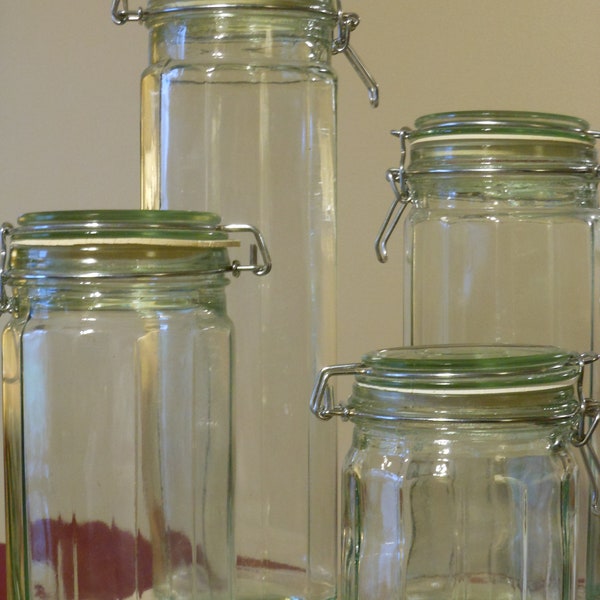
[
  {"x": 120, "y": 16},
  {"x": 322, "y": 402},
  {"x": 581, "y": 438},
  {"x": 258, "y": 268},
  {"x": 347, "y": 23},
  {"x": 5, "y": 302},
  {"x": 397, "y": 180}
]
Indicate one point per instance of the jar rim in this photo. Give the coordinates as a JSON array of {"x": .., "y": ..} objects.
[
  {"x": 496, "y": 123},
  {"x": 162, "y": 7},
  {"x": 125, "y": 226},
  {"x": 457, "y": 366}
]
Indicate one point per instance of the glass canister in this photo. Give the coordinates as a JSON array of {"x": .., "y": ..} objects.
[
  {"x": 117, "y": 404},
  {"x": 461, "y": 481},
  {"x": 239, "y": 118},
  {"x": 499, "y": 237}
]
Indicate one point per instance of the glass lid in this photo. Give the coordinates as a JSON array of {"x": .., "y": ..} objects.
[
  {"x": 154, "y": 227},
  {"x": 464, "y": 367},
  {"x": 495, "y": 123},
  {"x": 323, "y": 6}
]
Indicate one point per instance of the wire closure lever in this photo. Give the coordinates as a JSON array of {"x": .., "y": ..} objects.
[
  {"x": 322, "y": 402},
  {"x": 347, "y": 23},
  {"x": 5, "y": 303},
  {"x": 258, "y": 268},
  {"x": 590, "y": 417},
  {"x": 123, "y": 15},
  {"x": 397, "y": 180}
]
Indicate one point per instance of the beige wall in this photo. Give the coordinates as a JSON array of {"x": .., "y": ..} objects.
[{"x": 69, "y": 110}]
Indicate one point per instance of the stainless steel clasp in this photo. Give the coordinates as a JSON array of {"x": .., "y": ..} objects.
[
  {"x": 121, "y": 14},
  {"x": 322, "y": 401},
  {"x": 259, "y": 247},
  {"x": 347, "y": 23},
  {"x": 397, "y": 180},
  {"x": 589, "y": 417},
  {"x": 5, "y": 303}
]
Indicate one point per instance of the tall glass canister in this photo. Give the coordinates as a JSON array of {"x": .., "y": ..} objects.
[
  {"x": 500, "y": 237},
  {"x": 117, "y": 405},
  {"x": 239, "y": 117}
]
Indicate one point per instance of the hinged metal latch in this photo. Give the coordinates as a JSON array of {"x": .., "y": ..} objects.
[
  {"x": 258, "y": 268},
  {"x": 121, "y": 14},
  {"x": 347, "y": 23},
  {"x": 322, "y": 402},
  {"x": 5, "y": 303},
  {"x": 581, "y": 438},
  {"x": 397, "y": 179}
]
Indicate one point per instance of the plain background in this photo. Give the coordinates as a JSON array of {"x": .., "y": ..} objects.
[{"x": 69, "y": 106}]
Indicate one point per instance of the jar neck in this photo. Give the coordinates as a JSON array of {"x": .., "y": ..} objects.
[
  {"x": 499, "y": 192},
  {"x": 541, "y": 402},
  {"x": 381, "y": 434},
  {"x": 245, "y": 36},
  {"x": 142, "y": 295}
]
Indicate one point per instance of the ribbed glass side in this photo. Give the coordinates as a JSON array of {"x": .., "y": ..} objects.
[
  {"x": 117, "y": 416},
  {"x": 462, "y": 512}
]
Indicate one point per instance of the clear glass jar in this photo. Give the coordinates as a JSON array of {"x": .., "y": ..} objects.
[
  {"x": 461, "y": 481},
  {"x": 117, "y": 405},
  {"x": 239, "y": 118},
  {"x": 500, "y": 237}
]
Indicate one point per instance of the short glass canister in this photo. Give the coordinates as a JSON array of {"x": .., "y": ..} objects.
[
  {"x": 461, "y": 481},
  {"x": 117, "y": 404}
]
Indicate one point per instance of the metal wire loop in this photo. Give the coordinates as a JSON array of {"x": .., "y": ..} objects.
[
  {"x": 5, "y": 303},
  {"x": 259, "y": 268},
  {"x": 322, "y": 401},
  {"x": 120, "y": 16},
  {"x": 397, "y": 180}
]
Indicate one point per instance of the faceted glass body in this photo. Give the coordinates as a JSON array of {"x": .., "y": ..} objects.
[
  {"x": 238, "y": 117},
  {"x": 433, "y": 512},
  {"x": 461, "y": 481},
  {"x": 117, "y": 408}
]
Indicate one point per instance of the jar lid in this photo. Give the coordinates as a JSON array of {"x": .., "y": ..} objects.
[
  {"x": 502, "y": 123},
  {"x": 118, "y": 243},
  {"x": 458, "y": 368},
  {"x": 120, "y": 227},
  {"x": 501, "y": 142},
  {"x": 321, "y": 6},
  {"x": 449, "y": 383}
]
